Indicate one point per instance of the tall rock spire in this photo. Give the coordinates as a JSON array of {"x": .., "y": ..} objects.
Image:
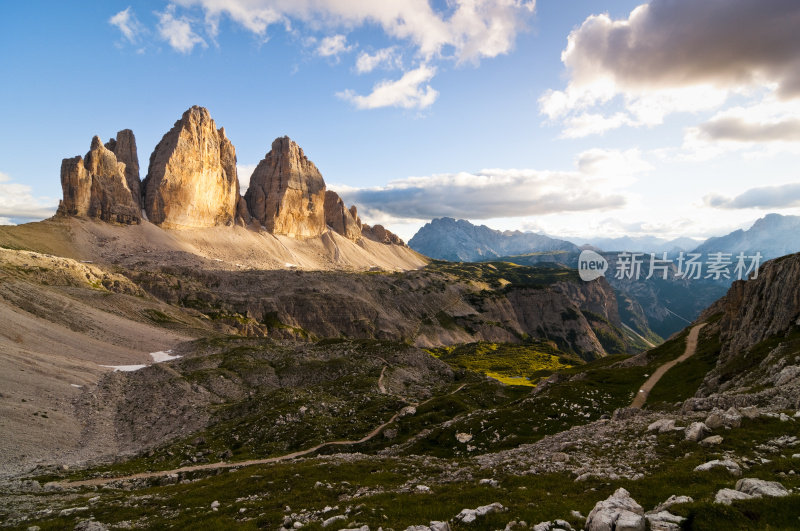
[
  {"x": 124, "y": 147},
  {"x": 287, "y": 193},
  {"x": 191, "y": 180},
  {"x": 95, "y": 186}
]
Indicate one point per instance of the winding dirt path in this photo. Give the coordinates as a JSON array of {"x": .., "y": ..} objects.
[
  {"x": 691, "y": 347},
  {"x": 239, "y": 464}
]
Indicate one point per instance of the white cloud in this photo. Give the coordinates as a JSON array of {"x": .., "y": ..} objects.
[
  {"x": 675, "y": 56},
  {"x": 385, "y": 57},
  {"x": 503, "y": 193},
  {"x": 474, "y": 28},
  {"x": 758, "y": 129},
  {"x": 17, "y": 201},
  {"x": 411, "y": 91},
  {"x": 765, "y": 197},
  {"x": 333, "y": 46},
  {"x": 127, "y": 23},
  {"x": 178, "y": 31}
]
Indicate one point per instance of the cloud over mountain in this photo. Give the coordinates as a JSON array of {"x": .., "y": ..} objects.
[
  {"x": 675, "y": 56},
  {"x": 766, "y": 197},
  {"x": 493, "y": 193}
]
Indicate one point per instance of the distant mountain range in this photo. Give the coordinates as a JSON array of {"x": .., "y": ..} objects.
[
  {"x": 642, "y": 244},
  {"x": 667, "y": 304},
  {"x": 773, "y": 235},
  {"x": 461, "y": 241}
]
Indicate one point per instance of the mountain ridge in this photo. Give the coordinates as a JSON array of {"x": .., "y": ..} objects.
[
  {"x": 464, "y": 241},
  {"x": 192, "y": 183}
]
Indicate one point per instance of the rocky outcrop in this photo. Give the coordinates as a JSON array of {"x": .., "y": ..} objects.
[
  {"x": 756, "y": 309},
  {"x": 96, "y": 187},
  {"x": 124, "y": 147},
  {"x": 619, "y": 511},
  {"x": 339, "y": 218},
  {"x": 380, "y": 234},
  {"x": 287, "y": 193},
  {"x": 191, "y": 181}
]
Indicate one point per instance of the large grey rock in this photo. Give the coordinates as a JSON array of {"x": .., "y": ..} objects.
[
  {"x": 731, "y": 466},
  {"x": 759, "y": 487},
  {"x": 697, "y": 431},
  {"x": 664, "y": 521},
  {"x": 468, "y": 516},
  {"x": 728, "y": 496},
  {"x": 711, "y": 441},
  {"x": 662, "y": 425},
  {"x": 619, "y": 512},
  {"x": 670, "y": 502}
]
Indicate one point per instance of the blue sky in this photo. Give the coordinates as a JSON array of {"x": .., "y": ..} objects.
[{"x": 576, "y": 118}]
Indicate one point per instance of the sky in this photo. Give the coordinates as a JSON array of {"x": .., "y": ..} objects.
[{"x": 578, "y": 119}]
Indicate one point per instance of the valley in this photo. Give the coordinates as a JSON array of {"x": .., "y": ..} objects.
[{"x": 178, "y": 354}]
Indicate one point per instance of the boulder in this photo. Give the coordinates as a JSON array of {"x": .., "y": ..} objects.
[
  {"x": 724, "y": 419},
  {"x": 664, "y": 521},
  {"x": 697, "y": 431},
  {"x": 728, "y": 496},
  {"x": 95, "y": 187},
  {"x": 191, "y": 181},
  {"x": 618, "y": 512},
  {"x": 731, "y": 466},
  {"x": 759, "y": 487},
  {"x": 468, "y": 516},
  {"x": 711, "y": 441},
  {"x": 670, "y": 502},
  {"x": 339, "y": 218},
  {"x": 662, "y": 425},
  {"x": 287, "y": 193}
]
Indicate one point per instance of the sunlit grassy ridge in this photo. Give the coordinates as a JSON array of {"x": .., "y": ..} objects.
[
  {"x": 511, "y": 364},
  {"x": 505, "y": 275}
]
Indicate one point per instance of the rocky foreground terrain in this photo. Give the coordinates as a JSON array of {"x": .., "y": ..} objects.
[
  {"x": 346, "y": 433},
  {"x": 183, "y": 356}
]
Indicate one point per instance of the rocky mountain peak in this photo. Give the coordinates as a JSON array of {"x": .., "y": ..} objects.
[
  {"x": 191, "y": 181},
  {"x": 124, "y": 147},
  {"x": 287, "y": 192},
  {"x": 95, "y": 186},
  {"x": 340, "y": 218}
]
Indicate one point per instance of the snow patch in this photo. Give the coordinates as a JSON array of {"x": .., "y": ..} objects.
[
  {"x": 161, "y": 356},
  {"x": 124, "y": 368},
  {"x": 76, "y": 385}
]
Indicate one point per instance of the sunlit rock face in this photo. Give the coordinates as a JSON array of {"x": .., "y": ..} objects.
[
  {"x": 191, "y": 181},
  {"x": 287, "y": 193}
]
